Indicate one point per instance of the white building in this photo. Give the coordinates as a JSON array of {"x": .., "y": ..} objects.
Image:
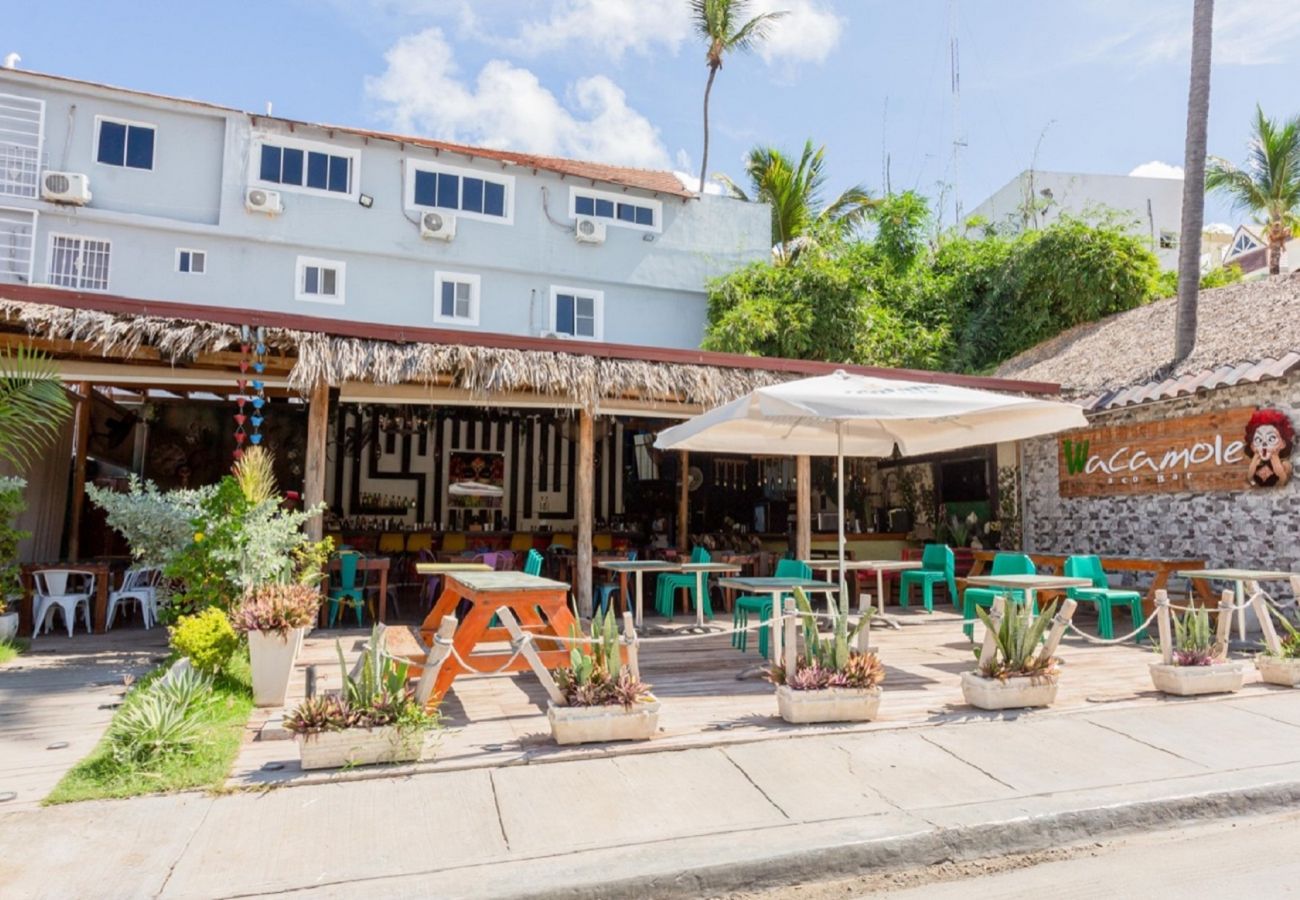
[{"x": 1152, "y": 206}]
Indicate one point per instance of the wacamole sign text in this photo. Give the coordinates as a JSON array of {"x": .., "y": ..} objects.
[{"x": 1195, "y": 453}]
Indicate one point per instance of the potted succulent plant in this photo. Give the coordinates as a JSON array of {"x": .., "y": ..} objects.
[
  {"x": 1281, "y": 664},
  {"x": 603, "y": 699},
  {"x": 275, "y": 617},
  {"x": 1014, "y": 672},
  {"x": 831, "y": 681},
  {"x": 375, "y": 718},
  {"x": 1197, "y": 663}
]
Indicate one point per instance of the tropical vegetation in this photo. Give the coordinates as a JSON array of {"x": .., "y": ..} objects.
[
  {"x": 829, "y": 662},
  {"x": 1016, "y": 650},
  {"x": 1194, "y": 640},
  {"x": 596, "y": 677},
  {"x": 33, "y": 405}
]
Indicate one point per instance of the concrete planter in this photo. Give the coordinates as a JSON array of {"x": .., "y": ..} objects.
[
  {"x": 8, "y": 626},
  {"x": 1190, "y": 681},
  {"x": 359, "y": 747},
  {"x": 597, "y": 724},
  {"x": 272, "y": 657},
  {"x": 827, "y": 705},
  {"x": 1014, "y": 693},
  {"x": 1285, "y": 672}
]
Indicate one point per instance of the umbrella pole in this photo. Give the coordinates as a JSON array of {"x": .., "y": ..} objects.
[{"x": 839, "y": 485}]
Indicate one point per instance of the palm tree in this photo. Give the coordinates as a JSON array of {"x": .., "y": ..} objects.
[
  {"x": 33, "y": 403},
  {"x": 1198, "y": 118},
  {"x": 1269, "y": 185},
  {"x": 794, "y": 191},
  {"x": 718, "y": 22}
]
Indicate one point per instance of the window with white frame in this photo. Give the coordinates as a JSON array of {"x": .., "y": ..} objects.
[
  {"x": 17, "y": 236},
  {"x": 578, "y": 312},
  {"x": 617, "y": 209},
  {"x": 22, "y": 122},
  {"x": 78, "y": 262},
  {"x": 305, "y": 165},
  {"x": 319, "y": 280},
  {"x": 457, "y": 298},
  {"x": 191, "y": 262},
  {"x": 122, "y": 143},
  {"x": 466, "y": 191}
]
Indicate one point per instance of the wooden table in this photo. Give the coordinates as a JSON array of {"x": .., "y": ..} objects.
[
  {"x": 1161, "y": 569},
  {"x": 776, "y": 587},
  {"x": 637, "y": 567},
  {"x": 103, "y": 573},
  {"x": 1238, "y": 577},
  {"x": 879, "y": 566},
  {"x": 487, "y": 592},
  {"x": 442, "y": 568},
  {"x": 1029, "y": 584},
  {"x": 366, "y": 563}
]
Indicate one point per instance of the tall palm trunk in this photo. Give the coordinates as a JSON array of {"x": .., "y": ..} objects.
[
  {"x": 708, "y": 89},
  {"x": 1277, "y": 238},
  {"x": 1189, "y": 245}
]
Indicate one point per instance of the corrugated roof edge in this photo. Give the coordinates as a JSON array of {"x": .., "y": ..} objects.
[
  {"x": 1227, "y": 375},
  {"x": 652, "y": 180}
]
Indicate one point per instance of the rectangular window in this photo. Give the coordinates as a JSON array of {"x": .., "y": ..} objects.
[
  {"x": 622, "y": 210},
  {"x": 78, "y": 263},
  {"x": 319, "y": 280},
  {"x": 314, "y": 167},
  {"x": 457, "y": 298},
  {"x": 128, "y": 144},
  {"x": 22, "y": 121},
  {"x": 17, "y": 236},
  {"x": 193, "y": 262},
  {"x": 1168, "y": 240},
  {"x": 463, "y": 190},
  {"x": 578, "y": 313}
]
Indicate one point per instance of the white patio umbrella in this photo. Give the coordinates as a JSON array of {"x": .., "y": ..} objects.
[{"x": 857, "y": 415}]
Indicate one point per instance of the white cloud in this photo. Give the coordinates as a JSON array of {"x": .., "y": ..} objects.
[
  {"x": 808, "y": 32},
  {"x": 692, "y": 183},
  {"x": 1246, "y": 32},
  {"x": 507, "y": 107},
  {"x": 1157, "y": 169}
]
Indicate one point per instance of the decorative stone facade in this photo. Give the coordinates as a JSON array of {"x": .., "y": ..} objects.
[{"x": 1245, "y": 528}]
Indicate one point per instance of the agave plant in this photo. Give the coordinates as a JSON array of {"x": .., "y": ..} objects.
[
  {"x": 1016, "y": 640},
  {"x": 159, "y": 721},
  {"x": 596, "y": 677},
  {"x": 1193, "y": 639},
  {"x": 829, "y": 661}
]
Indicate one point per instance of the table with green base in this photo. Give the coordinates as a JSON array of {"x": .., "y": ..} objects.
[{"x": 1238, "y": 577}]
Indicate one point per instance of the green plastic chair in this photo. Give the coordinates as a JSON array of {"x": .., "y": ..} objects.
[
  {"x": 347, "y": 591},
  {"x": 761, "y": 605},
  {"x": 1003, "y": 564},
  {"x": 1102, "y": 595},
  {"x": 533, "y": 564},
  {"x": 938, "y": 565},
  {"x": 669, "y": 584}
]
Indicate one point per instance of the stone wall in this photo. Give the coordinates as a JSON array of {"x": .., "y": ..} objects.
[{"x": 1246, "y": 528}]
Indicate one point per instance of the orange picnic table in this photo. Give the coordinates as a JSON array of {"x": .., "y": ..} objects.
[{"x": 487, "y": 593}]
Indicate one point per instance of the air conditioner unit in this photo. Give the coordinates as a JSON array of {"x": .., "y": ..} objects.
[
  {"x": 589, "y": 231},
  {"x": 438, "y": 225},
  {"x": 66, "y": 187},
  {"x": 261, "y": 200}
]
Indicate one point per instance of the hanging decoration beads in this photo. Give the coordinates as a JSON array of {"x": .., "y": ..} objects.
[
  {"x": 241, "y": 398},
  {"x": 259, "y": 400}
]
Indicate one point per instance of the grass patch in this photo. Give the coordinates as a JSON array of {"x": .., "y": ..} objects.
[
  {"x": 100, "y": 776},
  {"x": 9, "y": 650}
]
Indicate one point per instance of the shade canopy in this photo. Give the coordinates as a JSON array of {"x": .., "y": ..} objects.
[{"x": 872, "y": 417}]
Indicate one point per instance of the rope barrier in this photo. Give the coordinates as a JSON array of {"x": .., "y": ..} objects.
[{"x": 1119, "y": 640}]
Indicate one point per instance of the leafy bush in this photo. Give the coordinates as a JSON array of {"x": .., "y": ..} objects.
[
  {"x": 12, "y": 505},
  {"x": 276, "y": 607},
  {"x": 1016, "y": 651},
  {"x": 205, "y": 639},
  {"x": 159, "y": 720},
  {"x": 157, "y": 525}
]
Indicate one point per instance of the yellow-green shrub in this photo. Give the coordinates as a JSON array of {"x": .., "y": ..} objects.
[{"x": 206, "y": 639}]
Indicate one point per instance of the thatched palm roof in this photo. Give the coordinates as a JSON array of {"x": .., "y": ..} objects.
[{"x": 1246, "y": 332}]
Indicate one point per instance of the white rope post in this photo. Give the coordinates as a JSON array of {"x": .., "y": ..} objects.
[
  {"x": 1265, "y": 617},
  {"x": 791, "y": 658},
  {"x": 1059, "y": 623},
  {"x": 1224, "y": 630},
  {"x": 632, "y": 642},
  {"x": 989, "y": 649},
  {"x": 1165, "y": 626},
  {"x": 864, "y": 636},
  {"x": 438, "y": 654}
]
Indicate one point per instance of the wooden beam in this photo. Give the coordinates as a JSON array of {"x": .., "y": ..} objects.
[
  {"x": 803, "y": 507},
  {"x": 684, "y": 503},
  {"x": 318, "y": 413},
  {"x": 585, "y": 500},
  {"x": 81, "y": 439}
]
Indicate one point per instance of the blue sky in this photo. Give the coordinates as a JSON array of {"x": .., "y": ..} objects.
[{"x": 1098, "y": 85}]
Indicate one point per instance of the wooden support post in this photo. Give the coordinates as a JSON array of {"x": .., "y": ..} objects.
[
  {"x": 313, "y": 489},
  {"x": 989, "y": 649},
  {"x": 803, "y": 507},
  {"x": 439, "y": 653},
  {"x": 81, "y": 438},
  {"x": 790, "y": 658},
  {"x": 1059, "y": 621},
  {"x": 1223, "y": 632},
  {"x": 633, "y": 644},
  {"x": 1260, "y": 605},
  {"x": 529, "y": 653},
  {"x": 586, "y": 503},
  {"x": 684, "y": 503},
  {"x": 1166, "y": 627}
]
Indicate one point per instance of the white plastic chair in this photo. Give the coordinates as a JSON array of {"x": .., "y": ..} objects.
[
  {"x": 137, "y": 588},
  {"x": 52, "y": 592}
]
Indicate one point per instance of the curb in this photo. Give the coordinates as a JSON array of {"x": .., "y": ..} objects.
[{"x": 968, "y": 842}]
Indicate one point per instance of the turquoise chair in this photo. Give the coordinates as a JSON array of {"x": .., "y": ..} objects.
[
  {"x": 761, "y": 605},
  {"x": 609, "y": 589},
  {"x": 1102, "y": 595},
  {"x": 347, "y": 591},
  {"x": 937, "y": 566},
  {"x": 533, "y": 564},
  {"x": 669, "y": 584},
  {"x": 1003, "y": 564}
]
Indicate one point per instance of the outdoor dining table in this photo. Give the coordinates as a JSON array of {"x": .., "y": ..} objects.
[
  {"x": 1161, "y": 570},
  {"x": 638, "y": 567},
  {"x": 372, "y": 564},
  {"x": 879, "y": 566},
  {"x": 103, "y": 573},
  {"x": 487, "y": 593},
  {"x": 1029, "y": 584},
  {"x": 1238, "y": 577},
  {"x": 775, "y": 587}
]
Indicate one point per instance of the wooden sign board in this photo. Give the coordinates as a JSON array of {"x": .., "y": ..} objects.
[{"x": 1200, "y": 453}]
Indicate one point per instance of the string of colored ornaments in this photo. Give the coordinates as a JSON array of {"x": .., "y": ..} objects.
[{"x": 251, "y": 399}]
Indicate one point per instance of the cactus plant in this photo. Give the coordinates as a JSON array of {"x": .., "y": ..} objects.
[
  {"x": 595, "y": 675},
  {"x": 829, "y": 661},
  {"x": 1016, "y": 650}
]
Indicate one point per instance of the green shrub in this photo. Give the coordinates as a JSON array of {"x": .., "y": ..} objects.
[
  {"x": 160, "y": 720},
  {"x": 205, "y": 639}
]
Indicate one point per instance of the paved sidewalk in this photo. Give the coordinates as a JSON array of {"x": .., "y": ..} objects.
[{"x": 685, "y": 823}]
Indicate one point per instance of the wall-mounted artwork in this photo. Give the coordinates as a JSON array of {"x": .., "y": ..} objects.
[
  {"x": 476, "y": 479},
  {"x": 1269, "y": 437}
]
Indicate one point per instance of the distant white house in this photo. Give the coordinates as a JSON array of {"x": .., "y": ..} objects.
[
  {"x": 1249, "y": 250},
  {"x": 1033, "y": 199}
]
